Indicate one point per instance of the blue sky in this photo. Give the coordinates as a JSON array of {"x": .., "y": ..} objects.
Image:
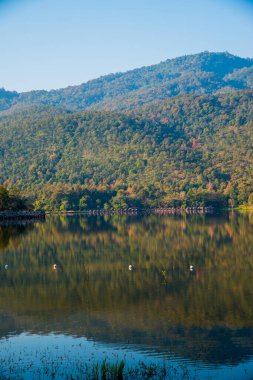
[{"x": 49, "y": 44}]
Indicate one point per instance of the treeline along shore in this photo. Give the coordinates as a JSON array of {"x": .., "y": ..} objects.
[{"x": 15, "y": 207}]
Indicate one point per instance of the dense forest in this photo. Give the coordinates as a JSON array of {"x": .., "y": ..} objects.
[
  {"x": 203, "y": 73},
  {"x": 189, "y": 149},
  {"x": 176, "y": 133}
]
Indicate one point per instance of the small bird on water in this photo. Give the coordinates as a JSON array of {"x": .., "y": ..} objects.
[
  {"x": 130, "y": 267},
  {"x": 191, "y": 268},
  {"x": 55, "y": 266}
]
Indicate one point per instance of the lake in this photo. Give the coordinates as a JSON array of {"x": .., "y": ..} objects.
[{"x": 70, "y": 301}]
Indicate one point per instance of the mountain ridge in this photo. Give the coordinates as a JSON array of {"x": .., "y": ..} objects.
[{"x": 194, "y": 74}]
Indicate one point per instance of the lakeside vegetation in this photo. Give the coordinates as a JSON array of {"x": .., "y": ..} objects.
[
  {"x": 11, "y": 200},
  {"x": 105, "y": 370}
]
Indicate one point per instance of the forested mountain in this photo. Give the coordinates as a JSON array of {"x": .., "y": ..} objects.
[
  {"x": 167, "y": 151},
  {"x": 204, "y": 73},
  {"x": 158, "y": 135}
]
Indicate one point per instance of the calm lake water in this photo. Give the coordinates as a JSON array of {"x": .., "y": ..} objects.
[{"x": 56, "y": 322}]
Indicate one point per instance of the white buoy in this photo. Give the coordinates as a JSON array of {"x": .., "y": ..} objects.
[{"x": 130, "y": 267}]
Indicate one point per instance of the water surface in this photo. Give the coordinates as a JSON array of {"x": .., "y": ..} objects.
[{"x": 91, "y": 307}]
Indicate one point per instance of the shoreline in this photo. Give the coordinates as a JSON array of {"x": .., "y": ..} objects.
[
  {"x": 22, "y": 215},
  {"x": 41, "y": 214},
  {"x": 136, "y": 211}
]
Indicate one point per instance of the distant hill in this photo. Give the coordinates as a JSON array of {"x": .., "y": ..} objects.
[
  {"x": 184, "y": 145},
  {"x": 204, "y": 73}
]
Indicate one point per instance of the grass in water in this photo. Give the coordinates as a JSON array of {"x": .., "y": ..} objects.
[{"x": 102, "y": 371}]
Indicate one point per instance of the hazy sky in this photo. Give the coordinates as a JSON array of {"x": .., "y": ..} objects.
[{"x": 48, "y": 44}]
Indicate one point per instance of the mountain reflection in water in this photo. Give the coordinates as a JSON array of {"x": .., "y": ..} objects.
[{"x": 205, "y": 316}]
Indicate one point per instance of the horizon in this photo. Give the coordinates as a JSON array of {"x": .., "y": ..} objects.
[
  {"x": 54, "y": 44},
  {"x": 123, "y": 72}
]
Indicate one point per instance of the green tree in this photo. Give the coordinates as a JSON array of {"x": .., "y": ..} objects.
[
  {"x": 4, "y": 198},
  {"x": 250, "y": 199}
]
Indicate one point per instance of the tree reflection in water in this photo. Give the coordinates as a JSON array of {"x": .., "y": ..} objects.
[{"x": 205, "y": 314}]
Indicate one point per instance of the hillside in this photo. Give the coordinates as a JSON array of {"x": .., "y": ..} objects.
[
  {"x": 204, "y": 73},
  {"x": 173, "y": 149}
]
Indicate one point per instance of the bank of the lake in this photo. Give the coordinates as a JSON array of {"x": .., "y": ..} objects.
[
  {"x": 22, "y": 215},
  {"x": 138, "y": 211}
]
